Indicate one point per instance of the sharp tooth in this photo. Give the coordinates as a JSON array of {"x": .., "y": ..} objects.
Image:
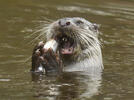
[{"x": 63, "y": 39}]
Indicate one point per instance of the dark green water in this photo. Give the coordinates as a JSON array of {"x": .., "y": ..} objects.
[{"x": 19, "y": 18}]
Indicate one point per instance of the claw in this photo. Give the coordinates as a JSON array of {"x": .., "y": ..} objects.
[{"x": 46, "y": 57}]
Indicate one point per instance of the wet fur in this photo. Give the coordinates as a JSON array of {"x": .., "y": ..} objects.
[{"x": 85, "y": 34}]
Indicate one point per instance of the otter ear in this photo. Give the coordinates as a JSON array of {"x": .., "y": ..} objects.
[{"x": 96, "y": 26}]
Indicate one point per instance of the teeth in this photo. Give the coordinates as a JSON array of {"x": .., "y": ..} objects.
[{"x": 64, "y": 39}]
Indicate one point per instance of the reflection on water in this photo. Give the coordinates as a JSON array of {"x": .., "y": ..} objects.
[
  {"x": 66, "y": 86},
  {"x": 18, "y": 21}
]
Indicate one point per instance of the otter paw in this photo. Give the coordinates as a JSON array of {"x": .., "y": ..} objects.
[
  {"x": 36, "y": 56},
  {"x": 46, "y": 59},
  {"x": 51, "y": 62}
]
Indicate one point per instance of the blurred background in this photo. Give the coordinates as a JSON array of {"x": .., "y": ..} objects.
[{"x": 20, "y": 18}]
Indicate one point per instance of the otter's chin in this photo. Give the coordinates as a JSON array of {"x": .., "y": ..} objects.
[{"x": 66, "y": 44}]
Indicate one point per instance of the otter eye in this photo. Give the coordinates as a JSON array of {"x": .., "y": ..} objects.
[{"x": 79, "y": 22}]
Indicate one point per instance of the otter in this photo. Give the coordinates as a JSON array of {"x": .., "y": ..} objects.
[{"x": 79, "y": 48}]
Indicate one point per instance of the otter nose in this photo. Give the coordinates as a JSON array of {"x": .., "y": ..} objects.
[{"x": 64, "y": 23}]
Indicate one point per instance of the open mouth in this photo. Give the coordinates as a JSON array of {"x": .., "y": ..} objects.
[{"x": 66, "y": 44}]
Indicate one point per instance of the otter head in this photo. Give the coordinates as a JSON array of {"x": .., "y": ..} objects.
[{"x": 74, "y": 35}]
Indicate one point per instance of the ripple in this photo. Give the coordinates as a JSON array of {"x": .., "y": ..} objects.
[
  {"x": 84, "y": 10},
  {"x": 6, "y": 45},
  {"x": 5, "y": 80},
  {"x": 118, "y": 10},
  {"x": 13, "y": 62}
]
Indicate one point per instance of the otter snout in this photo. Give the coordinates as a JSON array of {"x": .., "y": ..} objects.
[{"x": 64, "y": 22}]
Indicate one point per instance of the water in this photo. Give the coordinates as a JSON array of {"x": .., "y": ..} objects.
[{"x": 18, "y": 19}]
